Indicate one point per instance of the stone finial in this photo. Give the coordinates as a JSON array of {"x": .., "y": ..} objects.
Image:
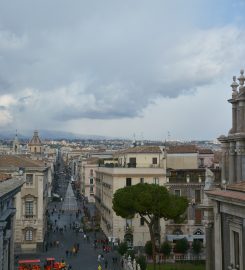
[
  {"x": 241, "y": 78},
  {"x": 234, "y": 86}
]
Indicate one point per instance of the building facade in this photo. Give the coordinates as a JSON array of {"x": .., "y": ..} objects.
[
  {"x": 233, "y": 145},
  {"x": 135, "y": 165},
  {"x": 9, "y": 187},
  {"x": 225, "y": 207},
  {"x": 31, "y": 202},
  {"x": 189, "y": 183}
]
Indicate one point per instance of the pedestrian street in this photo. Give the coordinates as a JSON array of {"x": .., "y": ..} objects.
[{"x": 65, "y": 241}]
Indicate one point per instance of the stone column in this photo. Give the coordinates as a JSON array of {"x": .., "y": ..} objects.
[
  {"x": 238, "y": 161},
  {"x": 210, "y": 251},
  {"x": 1, "y": 247},
  {"x": 232, "y": 154},
  {"x": 234, "y": 118},
  {"x": 217, "y": 238},
  {"x": 11, "y": 243},
  {"x": 225, "y": 169}
]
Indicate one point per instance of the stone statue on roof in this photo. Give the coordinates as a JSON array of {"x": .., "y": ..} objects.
[{"x": 209, "y": 179}]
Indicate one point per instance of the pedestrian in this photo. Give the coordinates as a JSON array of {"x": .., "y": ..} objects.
[
  {"x": 99, "y": 258},
  {"x": 84, "y": 236},
  {"x": 73, "y": 250},
  {"x": 99, "y": 267},
  {"x": 67, "y": 252}
]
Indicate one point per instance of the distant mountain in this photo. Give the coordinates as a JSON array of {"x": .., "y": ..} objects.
[{"x": 49, "y": 134}]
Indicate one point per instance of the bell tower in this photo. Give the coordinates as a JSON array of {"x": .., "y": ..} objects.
[
  {"x": 16, "y": 144},
  {"x": 233, "y": 145}
]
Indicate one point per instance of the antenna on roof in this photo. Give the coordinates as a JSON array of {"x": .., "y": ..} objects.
[
  {"x": 134, "y": 141},
  {"x": 142, "y": 138}
]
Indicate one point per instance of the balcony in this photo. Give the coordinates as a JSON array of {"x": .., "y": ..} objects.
[{"x": 128, "y": 229}]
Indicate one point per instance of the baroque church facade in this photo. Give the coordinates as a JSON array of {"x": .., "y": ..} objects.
[{"x": 225, "y": 227}]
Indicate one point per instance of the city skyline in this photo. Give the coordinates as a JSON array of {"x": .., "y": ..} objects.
[{"x": 120, "y": 68}]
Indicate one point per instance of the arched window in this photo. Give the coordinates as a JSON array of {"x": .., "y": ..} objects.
[
  {"x": 198, "y": 232},
  {"x": 29, "y": 234},
  {"x": 35, "y": 150}
]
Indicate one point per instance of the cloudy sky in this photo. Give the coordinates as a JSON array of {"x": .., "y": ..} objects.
[{"x": 122, "y": 67}]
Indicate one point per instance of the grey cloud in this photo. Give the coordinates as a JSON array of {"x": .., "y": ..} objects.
[{"x": 121, "y": 56}]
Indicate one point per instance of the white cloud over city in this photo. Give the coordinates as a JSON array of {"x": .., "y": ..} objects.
[{"x": 119, "y": 67}]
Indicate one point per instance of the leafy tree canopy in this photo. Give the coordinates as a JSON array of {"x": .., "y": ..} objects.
[
  {"x": 148, "y": 200},
  {"x": 122, "y": 248},
  {"x": 196, "y": 246},
  {"x": 182, "y": 245},
  {"x": 166, "y": 248}
]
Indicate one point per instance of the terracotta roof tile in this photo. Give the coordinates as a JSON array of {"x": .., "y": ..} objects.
[
  {"x": 238, "y": 195},
  {"x": 205, "y": 151},
  {"x": 18, "y": 161},
  {"x": 4, "y": 177},
  {"x": 237, "y": 187},
  {"x": 140, "y": 149},
  {"x": 186, "y": 148}
]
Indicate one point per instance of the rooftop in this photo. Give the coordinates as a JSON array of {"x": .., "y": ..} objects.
[
  {"x": 182, "y": 149},
  {"x": 10, "y": 185},
  {"x": 19, "y": 161},
  {"x": 141, "y": 149},
  {"x": 233, "y": 192}
]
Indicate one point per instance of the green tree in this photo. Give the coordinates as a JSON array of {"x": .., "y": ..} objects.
[
  {"x": 151, "y": 202},
  {"x": 122, "y": 248},
  {"x": 141, "y": 260},
  {"x": 196, "y": 246},
  {"x": 148, "y": 248},
  {"x": 182, "y": 245},
  {"x": 166, "y": 248}
]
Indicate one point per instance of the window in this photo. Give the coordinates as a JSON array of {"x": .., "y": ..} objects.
[
  {"x": 91, "y": 181},
  {"x": 197, "y": 196},
  {"x": 142, "y": 180},
  {"x": 128, "y": 182},
  {"x": 154, "y": 160},
  {"x": 128, "y": 223},
  {"x": 201, "y": 162},
  {"x": 29, "y": 235},
  {"x": 198, "y": 216},
  {"x": 29, "y": 208},
  {"x": 29, "y": 179},
  {"x": 132, "y": 162},
  {"x": 177, "y": 192},
  {"x": 142, "y": 221},
  {"x": 91, "y": 189},
  {"x": 156, "y": 180}
]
